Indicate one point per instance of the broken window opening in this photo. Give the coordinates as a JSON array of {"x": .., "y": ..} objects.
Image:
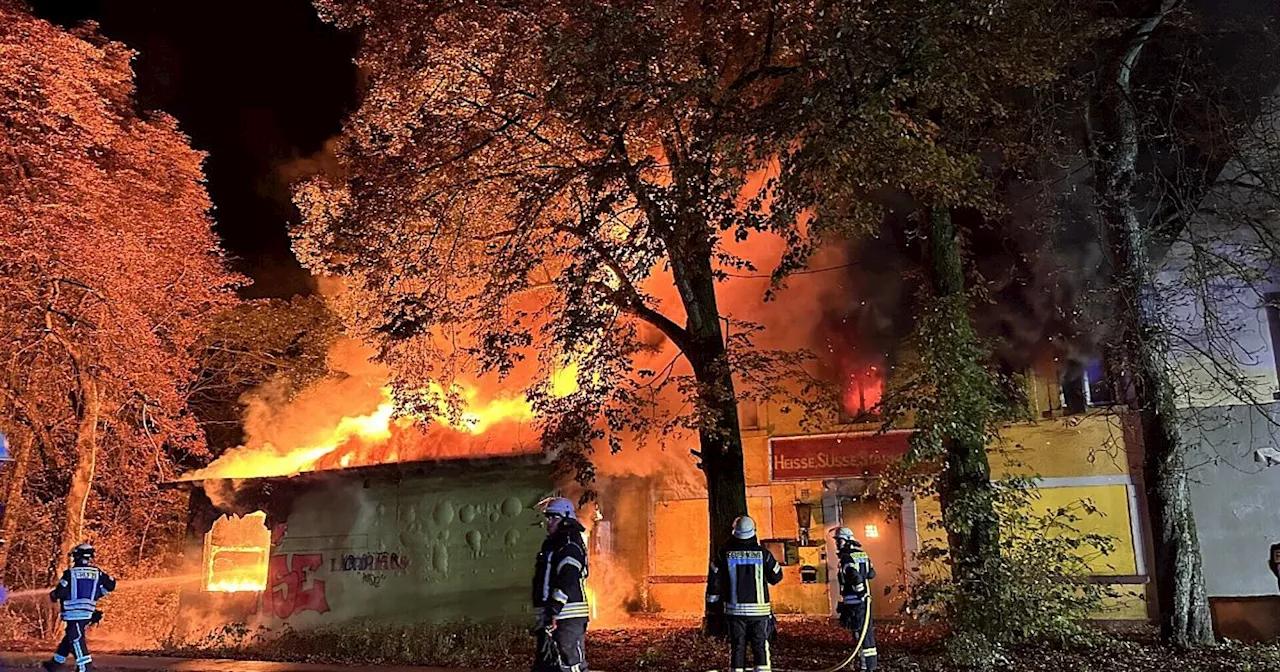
[{"x": 235, "y": 554}]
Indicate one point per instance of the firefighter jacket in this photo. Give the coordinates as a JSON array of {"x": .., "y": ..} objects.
[
  {"x": 560, "y": 575},
  {"x": 740, "y": 577},
  {"x": 79, "y": 591},
  {"x": 855, "y": 571}
]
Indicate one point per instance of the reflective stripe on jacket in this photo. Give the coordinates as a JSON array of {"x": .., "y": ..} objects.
[
  {"x": 560, "y": 574},
  {"x": 740, "y": 578},
  {"x": 855, "y": 571},
  {"x": 79, "y": 591}
]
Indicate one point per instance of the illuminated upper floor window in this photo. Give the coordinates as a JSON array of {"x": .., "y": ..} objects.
[{"x": 863, "y": 392}]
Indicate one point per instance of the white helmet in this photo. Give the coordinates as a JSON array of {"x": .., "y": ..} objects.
[
  {"x": 82, "y": 553},
  {"x": 844, "y": 534},
  {"x": 558, "y": 506},
  {"x": 744, "y": 527}
]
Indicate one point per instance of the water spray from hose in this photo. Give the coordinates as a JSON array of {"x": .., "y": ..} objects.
[{"x": 6, "y": 596}]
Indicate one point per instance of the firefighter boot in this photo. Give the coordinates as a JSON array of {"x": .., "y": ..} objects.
[{"x": 50, "y": 666}]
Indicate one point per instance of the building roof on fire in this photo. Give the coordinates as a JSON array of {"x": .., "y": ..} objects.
[{"x": 383, "y": 471}]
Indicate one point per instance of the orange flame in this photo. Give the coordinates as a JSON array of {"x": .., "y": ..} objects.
[
  {"x": 478, "y": 418},
  {"x": 235, "y": 554},
  {"x": 864, "y": 391},
  {"x": 236, "y": 586},
  {"x": 360, "y": 440}
]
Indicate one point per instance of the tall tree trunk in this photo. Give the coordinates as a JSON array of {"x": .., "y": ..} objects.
[
  {"x": 86, "y": 444},
  {"x": 86, "y": 448},
  {"x": 720, "y": 447},
  {"x": 965, "y": 490},
  {"x": 21, "y": 449},
  {"x": 1144, "y": 355},
  {"x": 719, "y": 438}
]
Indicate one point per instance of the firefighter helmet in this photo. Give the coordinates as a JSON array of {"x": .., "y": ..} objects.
[
  {"x": 558, "y": 506},
  {"x": 81, "y": 553},
  {"x": 744, "y": 527},
  {"x": 843, "y": 534}
]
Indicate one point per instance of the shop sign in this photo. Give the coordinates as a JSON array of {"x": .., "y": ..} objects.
[{"x": 833, "y": 456}]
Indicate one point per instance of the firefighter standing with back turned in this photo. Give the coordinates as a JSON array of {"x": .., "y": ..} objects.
[
  {"x": 81, "y": 587},
  {"x": 739, "y": 579},
  {"x": 560, "y": 591},
  {"x": 855, "y": 599}
]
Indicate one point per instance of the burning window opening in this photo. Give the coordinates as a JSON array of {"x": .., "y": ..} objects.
[
  {"x": 235, "y": 554},
  {"x": 862, "y": 395}
]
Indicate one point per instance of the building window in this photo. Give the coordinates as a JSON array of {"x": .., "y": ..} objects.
[
  {"x": 862, "y": 395},
  {"x": 1097, "y": 384},
  {"x": 1085, "y": 385},
  {"x": 1273, "y": 320},
  {"x": 748, "y": 414},
  {"x": 235, "y": 554}
]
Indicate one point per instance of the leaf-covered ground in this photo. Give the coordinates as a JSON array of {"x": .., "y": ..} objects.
[
  {"x": 813, "y": 644},
  {"x": 677, "y": 646}
]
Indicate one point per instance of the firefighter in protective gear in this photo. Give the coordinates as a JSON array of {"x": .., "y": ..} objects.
[
  {"x": 560, "y": 591},
  {"x": 79, "y": 590},
  {"x": 739, "y": 580},
  {"x": 855, "y": 598}
]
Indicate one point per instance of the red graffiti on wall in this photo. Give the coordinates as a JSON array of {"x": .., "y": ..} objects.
[{"x": 287, "y": 576}]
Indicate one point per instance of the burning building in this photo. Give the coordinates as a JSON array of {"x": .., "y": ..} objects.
[
  {"x": 454, "y": 537},
  {"x": 394, "y": 543},
  {"x": 800, "y": 484},
  {"x": 368, "y": 516}
]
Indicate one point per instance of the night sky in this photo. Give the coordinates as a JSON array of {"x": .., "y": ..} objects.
[{"x": 256, "y": 84}]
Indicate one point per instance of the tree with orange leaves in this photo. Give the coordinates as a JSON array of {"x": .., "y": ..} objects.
[
  {"x": 566, "y": 177},
  {"x": 552, "y": 178},
  {"x": 108, "y": 263}
]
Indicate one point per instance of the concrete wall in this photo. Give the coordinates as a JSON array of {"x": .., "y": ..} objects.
[
  {"x": 1214, "y": 280},
  {"x": 1214, "y": 277},
  {"x": 1235, "y": 497}
]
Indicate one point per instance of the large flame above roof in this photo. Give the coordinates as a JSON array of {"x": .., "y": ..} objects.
[{"x": 315, "y": 431}]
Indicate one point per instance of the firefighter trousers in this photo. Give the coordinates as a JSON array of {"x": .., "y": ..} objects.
[
  {"x": 857, "y": 612},
  {"x": 562, "y": 649},
  {"x": 752, "y": 631},
  {"x": 73, "y": 648}
]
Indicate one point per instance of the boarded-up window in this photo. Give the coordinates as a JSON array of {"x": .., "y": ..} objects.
[
  {"x": 1112, "y": 501},
  {"x": 680, "y": 534}
]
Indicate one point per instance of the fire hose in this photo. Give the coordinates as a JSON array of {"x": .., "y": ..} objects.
[{"x": 857, "y": 649}]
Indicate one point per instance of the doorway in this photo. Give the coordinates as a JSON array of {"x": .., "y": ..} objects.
[{"x": 881, "y": 538}]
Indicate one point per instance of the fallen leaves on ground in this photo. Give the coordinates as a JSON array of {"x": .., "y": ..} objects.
[{"x": 672, "y": 645}]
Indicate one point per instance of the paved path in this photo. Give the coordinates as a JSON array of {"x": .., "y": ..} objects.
[{"x": 109, "y": 663}]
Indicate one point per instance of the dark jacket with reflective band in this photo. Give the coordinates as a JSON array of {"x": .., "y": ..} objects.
[
  {"x": 79, "y": 591},
  {"x": 855, "y": 572},
  {"x": 560, "y": 575},
  {"x": 740, "y": 578}
]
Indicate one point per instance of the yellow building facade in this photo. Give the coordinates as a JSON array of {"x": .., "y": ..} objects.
[{"x": 801, "y": 484}]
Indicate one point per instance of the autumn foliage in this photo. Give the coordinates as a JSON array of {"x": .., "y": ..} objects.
[{"x": 108, "y": 265}]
